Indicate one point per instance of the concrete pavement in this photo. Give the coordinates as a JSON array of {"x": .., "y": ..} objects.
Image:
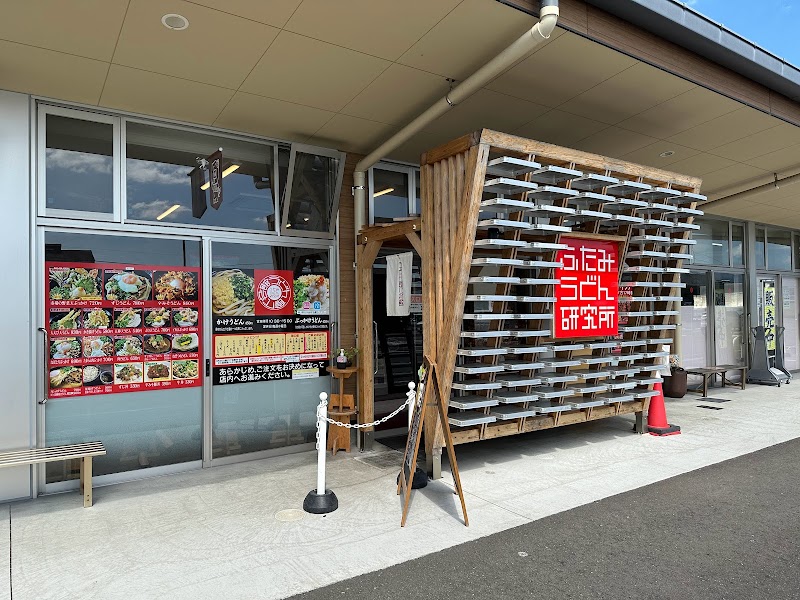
[{"x": 236, "y": 531}]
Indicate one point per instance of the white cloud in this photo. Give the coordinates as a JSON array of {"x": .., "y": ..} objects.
[
  {"x": 144, "y": 171},
  {"x": 78, "y": 162},
  {"x": 150, "y": 210}
]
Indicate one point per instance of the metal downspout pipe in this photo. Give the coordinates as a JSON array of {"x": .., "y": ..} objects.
[{"x": 548, "y": 17}]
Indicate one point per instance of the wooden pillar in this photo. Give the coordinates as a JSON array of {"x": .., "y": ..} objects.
[{"x": 366, "y": 383}]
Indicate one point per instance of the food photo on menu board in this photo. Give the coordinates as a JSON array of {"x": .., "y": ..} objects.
[
  {"x": 232, "y": 293},
  {"x": 312, "y": 295},
  {"x": 117, "y": 328}
]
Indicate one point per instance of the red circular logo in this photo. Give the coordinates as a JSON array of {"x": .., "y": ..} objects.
[{"x": 274, "y": 292}]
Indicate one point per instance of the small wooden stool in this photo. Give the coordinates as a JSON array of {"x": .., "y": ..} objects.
[{"x": 342, "y": 408}]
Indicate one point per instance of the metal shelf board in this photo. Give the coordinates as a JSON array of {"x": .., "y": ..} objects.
[
  {"x": 469, "y": 418},
  {"x": 484, "y": 334},
  {"x": 478, "y": 369},
  {"x": 481, "y": 351},
  {"x": 619, "y": 385},
  {"x": 658, "y": 193},
  {"x": 646, "y": 254},
  {"x": 506, "y": 413},
  {"x": 550, "y": 378},
  {"x": 547, "y": 210},
  {"x": 658, "y": 354},
  {"x": 542, "y": 264},
  {"x": 665, "y": 327},
  {"x": 641, "y": 380},
  {"x": 509, "y": 166},
  {"x": 484, "y": 317},
  {"x": 525, "y": 349},
  {"x": 640, "y": 313},
  {"x": 596, "y": 360},
  {"x": 648, "y": 239},
  {"x": 593, "y": 198},
  {"x": 505, "y": 205},
  {"x": 611, "y": 398},
  {"x": 508, "y": 186},
  {"x": 600, "y": 345},
  {"x": 471, "y": 402},
  {"x": 679, "y": 242},
  {"x": 486, "y": 223},
  {"x": 557, "y": 364},
  {"x": 543, "y": 407},
  {"x": 536, "y": 299},
  {"x": 644, "y": 284},
  {"x": 548, "y": 392},
  {"x": 588, "y": 388},
  {"x": 528, "y": 333},
  {"x": 508, "y": 262},
  {"x": 591, "y": 181},
  {"x": 684, "y": 225},
  {"x": 565, "y": 347},
  {"x": 588, "y": 375},
  {"x": 680, "y": 255},
  {"x": 641, "y": 394},
  {"x": 589, "y": 215},
  {"x": 521, "y": 365},
  {"x": 511, "y": 397},
  {"x": 537, "y": 281},
  {"x": 547, "y": 228},
  {"x": 694, "y": 212},
  {"x": 507, "y": 317},
  {"x": 549, "y": 193},
  {"x": 631, "y": 343},
  {"x": 579, "y": 405},
  {"x": 622, "y": 372},
  {"x": 677, "y": 270},
  {"x": 513, "y": 381},
  {"x": 650, "y": 223},
  {"x": 627, "y": 188},
  {"x": 629, "y": 328},
  {"x": 666, "y": 313},
  {"x": 498, "y": 243},
  {"x": 655, "y": 208},
  {"x": 529, "y": 316},
  {"x": 625, "y": 219},
  {"x": 493, "y": 279},
  {"x": 687, "y": 197},
  {"x": 491, "y": 298},
  {"x": 541, "y": 246},
  {"x": 643, "y": 269},
  {"x": 651, "y": 341},
  {"x": 550, "y": 174},
  {"x": 628, "y": 357},
  {"x": 476, "y": 384},
  {"x": 672, "y": 284}
]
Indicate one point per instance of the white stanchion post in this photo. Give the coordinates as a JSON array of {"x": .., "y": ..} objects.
[
  {"x": 322, "y": 425},
  {"x": 321, "y": 500},
  {"x": 411, "y": 395}
]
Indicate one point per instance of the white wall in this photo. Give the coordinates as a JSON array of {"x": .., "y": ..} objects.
[{"x": 18, "y": 333}]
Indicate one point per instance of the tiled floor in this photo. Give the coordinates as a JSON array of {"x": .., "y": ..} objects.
[{"x": 216, "y": 533}]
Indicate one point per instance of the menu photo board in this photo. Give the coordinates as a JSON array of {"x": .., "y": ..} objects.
[
  {"x": 119, "y": 328},
  {"x": 587, "y": 298},
  {"x": 269, "y": 325}
]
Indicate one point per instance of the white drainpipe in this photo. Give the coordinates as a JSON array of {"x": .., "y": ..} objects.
[{"x": 548, "y": 17}]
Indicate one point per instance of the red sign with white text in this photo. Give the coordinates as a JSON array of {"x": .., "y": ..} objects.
[
  {"x": 120, "y": 328},
  {"x": 587, "y": 295},
  {"x": 274, "y": 292}
]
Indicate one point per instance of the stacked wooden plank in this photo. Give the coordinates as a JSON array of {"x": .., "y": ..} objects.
[{"x": 495, "y": 210}]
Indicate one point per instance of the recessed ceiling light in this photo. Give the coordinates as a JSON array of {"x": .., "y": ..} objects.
[
  {"x": 667, "y": 154},
  {"x": 175, "y": 22}
]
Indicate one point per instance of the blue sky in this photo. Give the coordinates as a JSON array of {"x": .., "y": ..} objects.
[{"x": 773, "y": 24}]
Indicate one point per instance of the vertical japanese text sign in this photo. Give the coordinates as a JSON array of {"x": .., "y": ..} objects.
[{"x": 587, "y": 295}]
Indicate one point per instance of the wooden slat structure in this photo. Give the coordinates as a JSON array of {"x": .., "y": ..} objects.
[
  {"x": 491, "y": 366},
  {"x": 83, "y": 451}
]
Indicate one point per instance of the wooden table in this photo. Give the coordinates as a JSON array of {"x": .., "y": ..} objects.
[
  {"x": 709, "y": 373},
  {"x": 341, "y": 407}
]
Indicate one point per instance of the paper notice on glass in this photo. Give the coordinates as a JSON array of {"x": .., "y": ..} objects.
[{"x": 398, "y": 284}]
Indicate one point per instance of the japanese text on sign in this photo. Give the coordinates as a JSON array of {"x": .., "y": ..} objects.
[{"x": 587, "y": 296}]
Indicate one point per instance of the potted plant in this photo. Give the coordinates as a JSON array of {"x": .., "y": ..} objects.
[
  {"x": 344, "y": 357},
  {"x": 675, "y": 383}
]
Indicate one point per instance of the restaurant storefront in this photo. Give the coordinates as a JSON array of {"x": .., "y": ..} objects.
[{"x": 180, "y": 337}]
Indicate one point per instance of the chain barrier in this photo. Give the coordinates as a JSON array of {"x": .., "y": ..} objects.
[{"x": 410, "y": 398}]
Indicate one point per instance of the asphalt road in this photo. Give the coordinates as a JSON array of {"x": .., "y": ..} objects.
[{"x": 731, "y": 530}]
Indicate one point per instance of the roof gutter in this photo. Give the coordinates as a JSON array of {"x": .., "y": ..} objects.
[{"x": 548, "y": 17}]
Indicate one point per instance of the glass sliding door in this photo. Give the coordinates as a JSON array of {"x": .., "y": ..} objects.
[
  {"x": 694, "y": 321},
  {"x": 791, "y": 311},
  {"x": 729, "y": 319},
  {"x": 121, "y": 362},
  {"x": 270, "y": 311}
]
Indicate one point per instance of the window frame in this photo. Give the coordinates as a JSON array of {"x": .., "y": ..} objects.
[
  {"x": 41, "y": 164},
  {"x": 411, "y": 171},
  {"x": 287, "y": 193}
]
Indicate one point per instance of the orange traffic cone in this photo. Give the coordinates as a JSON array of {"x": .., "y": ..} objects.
[{"x": 657, "y": 415}]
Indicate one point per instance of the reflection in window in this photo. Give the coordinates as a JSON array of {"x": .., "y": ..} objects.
[
  {"x": 737, "y": 247},
  {"x": 694, "y": 320},
  {"x": 313, "y": 193},
  {"x": 712, "y": 243},
  {"x": 779, "y": 249},
  {"x": 760, "y": 248},
  {"x": 158, "y": 163},
  {"x": 390, "y": 195},
  {"x": 79, "y": 165}
]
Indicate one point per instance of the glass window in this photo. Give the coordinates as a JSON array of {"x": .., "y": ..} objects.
[
  {"x": 157, "y": 166},
  {"x": 760, "y": 248},
  {"x": 139, "y": 429},
  {"x": 713, "y": 245},
  {"x": 779, "y": 250},
  {"x": 79, "y": 164},
  {"x": 389, "y": 195},
  {"x": 255, "y": 416},
  {"x": 694, "y": 321},
  {"x": 737, "y": 247},
  {"x": 315, "y": 179},
  {"x": 729, "y": 320},
  {"x": 418, "y": 197}
]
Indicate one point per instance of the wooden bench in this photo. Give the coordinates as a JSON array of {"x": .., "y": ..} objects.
[
  {"x": 84, "y": 451},
  {"x": 709, "y": 374}
]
